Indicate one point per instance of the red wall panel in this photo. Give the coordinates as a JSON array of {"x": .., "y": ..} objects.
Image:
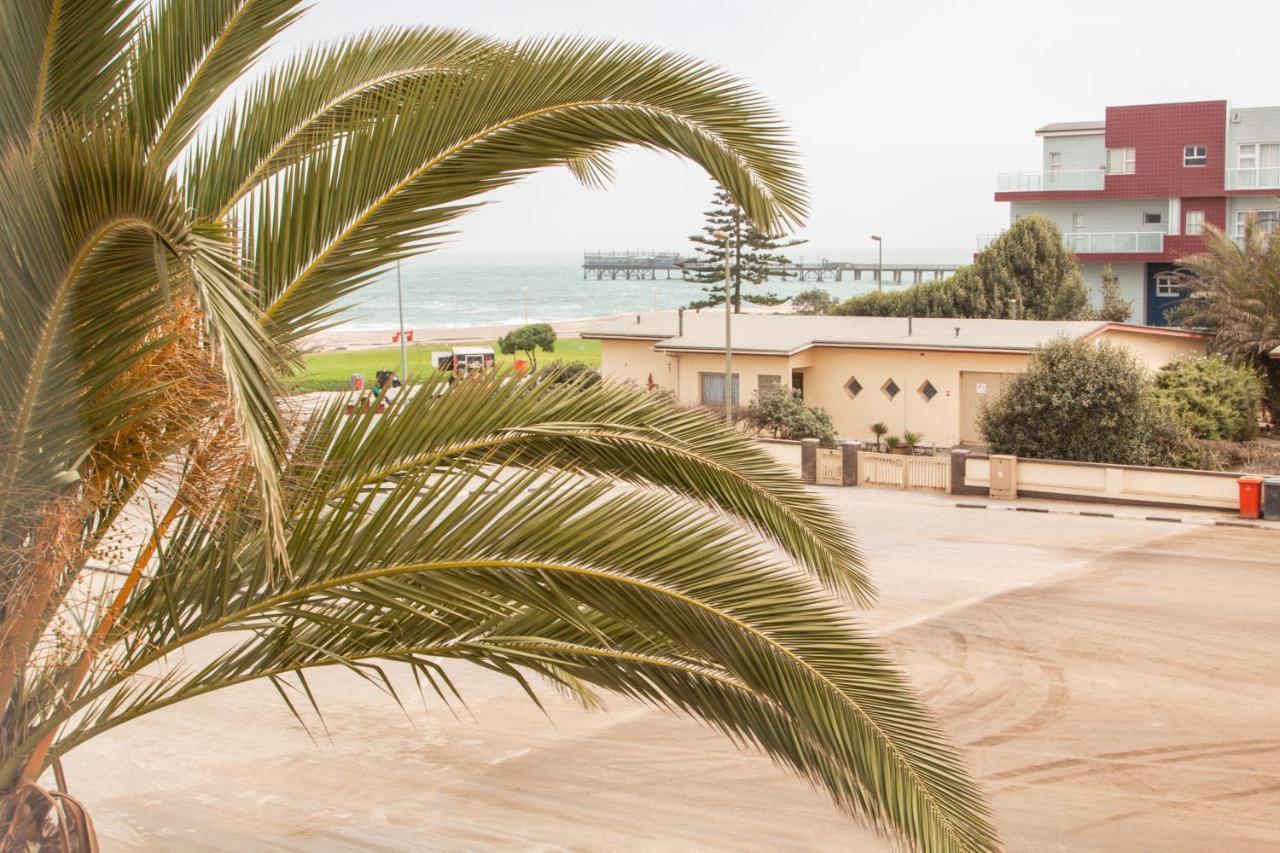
[{"x": 1158, "y": 133}]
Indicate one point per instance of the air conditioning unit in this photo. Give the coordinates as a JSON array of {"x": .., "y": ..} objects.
[{"x": 1235, "y": 118}]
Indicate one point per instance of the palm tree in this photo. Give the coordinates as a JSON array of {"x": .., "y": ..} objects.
[
  {"x": 1233, "y": 292},
  {"x": 172, "y": 231}
]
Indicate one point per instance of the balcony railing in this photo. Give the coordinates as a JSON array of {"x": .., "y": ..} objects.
[
  {"x": 1031, "y": 182},
  {"x": 1115, "y": 242},
  {"x": 1261, "y": 178},
  {"x": 1103, "y": 242}
]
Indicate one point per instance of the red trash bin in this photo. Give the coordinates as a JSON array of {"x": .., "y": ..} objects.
[{"x": 1250, "y": 496}]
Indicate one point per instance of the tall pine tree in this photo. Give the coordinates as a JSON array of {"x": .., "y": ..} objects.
[{"x": 753, "y": 256}]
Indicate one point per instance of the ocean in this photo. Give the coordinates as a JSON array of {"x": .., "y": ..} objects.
[{"x": 445, "y": 289}]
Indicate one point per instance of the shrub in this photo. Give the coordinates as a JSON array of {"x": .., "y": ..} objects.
[
  {"x": 577, "y": 372},
  {"x": 1027, "y": 272},
  {"x": 782, "y": 413},
  {"x": 1086, "y": 403},
  {"x": 1218, "y": 399},
  {"x": 812, "y": 301},
  {"x": 1115, "y": 308}
]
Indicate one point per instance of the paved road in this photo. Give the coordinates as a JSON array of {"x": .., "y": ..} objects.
[{"x": 1113, "y": 681}]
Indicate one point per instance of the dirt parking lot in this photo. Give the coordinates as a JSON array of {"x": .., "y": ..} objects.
[{"x": 1114, "y": 682}]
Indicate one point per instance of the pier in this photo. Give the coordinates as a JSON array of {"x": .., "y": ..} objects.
[{"x": 668, "y": 265}]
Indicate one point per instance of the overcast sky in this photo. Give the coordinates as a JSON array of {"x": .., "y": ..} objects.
[{"x": 903, "y": 111}]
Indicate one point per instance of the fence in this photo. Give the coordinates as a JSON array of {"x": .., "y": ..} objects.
[{"x": 923, "y": 473}]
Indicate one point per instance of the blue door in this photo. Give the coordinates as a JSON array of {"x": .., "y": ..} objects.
[{"x": 1161, "y": 294}]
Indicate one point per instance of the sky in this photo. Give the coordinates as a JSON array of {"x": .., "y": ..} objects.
[{"x": 903, "y": 113}]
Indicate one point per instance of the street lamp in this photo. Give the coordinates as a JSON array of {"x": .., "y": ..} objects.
[
  {"x": 728, "y": 345},
  {"x": 879, "y": 261}
]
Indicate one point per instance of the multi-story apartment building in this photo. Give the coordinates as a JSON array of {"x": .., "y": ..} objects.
[{"x": 1135, "y": 190}]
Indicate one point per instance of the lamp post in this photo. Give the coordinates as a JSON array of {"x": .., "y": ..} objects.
[
  {"x": 728, "y": 345},
  {"x": 879, "y": 261},
  {"x": 404, "y": 358}
]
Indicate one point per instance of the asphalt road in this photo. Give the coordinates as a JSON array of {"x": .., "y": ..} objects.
[{"x": 1113, "y": 681}]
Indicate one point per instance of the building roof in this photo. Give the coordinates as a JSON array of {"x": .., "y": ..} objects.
[
  {"x": 787, "y": 334},
  {"x": 1061, "y": 128}
]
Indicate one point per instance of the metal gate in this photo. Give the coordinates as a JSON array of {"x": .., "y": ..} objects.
[{"x": 830, "y": 469}]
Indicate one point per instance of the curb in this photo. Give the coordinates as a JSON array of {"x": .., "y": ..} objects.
[{"x": 1206, "y": 522}]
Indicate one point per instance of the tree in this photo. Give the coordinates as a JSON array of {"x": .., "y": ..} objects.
[
  {"x": 156, "y": 282},
  {"x": 527, "y": 339},
  {"x": 1026, "y": 273},
  {"x": 1216, "y": 398},
  {"x": 781, "y": 412},
  {"x": 754, "y": 255},
  {"x": 1115, "y": 308},
  {"x": 1233, "y": 293},
  {"x": 1083, "y": 402},
  {"x": 812, "y": 301}
]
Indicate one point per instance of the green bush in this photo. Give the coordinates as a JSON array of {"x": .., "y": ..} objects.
[
  {"x": 577, "y": 372},
  {"x": 1086, "y": 403},
  {"x": 1217, "y": 399},
  {"x": 782, "y": 413},
  {"x": 812, "y": 301},
  {"x": 1027, "y": 272}
]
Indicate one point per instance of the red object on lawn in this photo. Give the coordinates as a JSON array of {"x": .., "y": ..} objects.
[{"x": 1250, "y": 497}]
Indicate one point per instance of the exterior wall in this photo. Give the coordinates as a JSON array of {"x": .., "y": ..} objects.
[
  {"x": 635, "y": 361},
  {"x": 1257, "y": 124},
  {"x": 1157, "y": 350},
  {"x": 1120, "y": 484},
  {"x": 1247, "y": 202},
  {"x": 1132, "y": 282},
  {"x": 1158, "y": 133},
  {"x": 1078, "y": 153},
  {"x": 938, "y": 420},
  {"x": 1100, "y": 215}
]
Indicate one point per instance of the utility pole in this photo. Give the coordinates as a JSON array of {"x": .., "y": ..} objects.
[
  {"x": 879, "y": 261},
  {"x": 728, "y": 332},
  {"x": 404, "y": 357}
]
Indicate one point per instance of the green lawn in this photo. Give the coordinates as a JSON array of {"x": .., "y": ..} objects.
[{"x": 330, "y": 371}]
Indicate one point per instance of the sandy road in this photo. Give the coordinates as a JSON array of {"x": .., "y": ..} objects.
[{"x": 1113, "y": 681}]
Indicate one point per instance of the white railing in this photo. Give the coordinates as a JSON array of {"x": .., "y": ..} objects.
[
  {"x": 1024, "y": 182},
  {"x": 1264, "y": 177},
  {"x": 1117, "y": 242},
  {"x": 922, "y": 473}
]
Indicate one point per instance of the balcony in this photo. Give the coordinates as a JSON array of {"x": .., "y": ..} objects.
[
  {"x": 1104, "y": 242},
  {"x": 1034, "y": 182},
  {"x": 1261, "y": 178}
]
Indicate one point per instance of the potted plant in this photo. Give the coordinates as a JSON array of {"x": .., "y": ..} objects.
[
  {"x": 879, "y": 429},
  {"x": 892, "y": 444},
  {"x": 911, "y": 439}
]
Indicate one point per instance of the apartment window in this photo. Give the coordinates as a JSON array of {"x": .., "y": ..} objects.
[
  {"x": 927, "y": 391},
  {"x": 1122, "y": 161},
  {"x": 1268, "y": 220},
  {"x": 767, "y": 382},
  {"x": 1195, "y": 222},
  {"x": 712, "y": 386},
  {"x": 1167, "y": 286},
  {"x": 890, "y": 388},
  {"x": 1194, "y": 155},
  {"x": 853, "y": 387},
  {"x": 1152, "y": 218},
  {"x": 1077, "y": 222}
]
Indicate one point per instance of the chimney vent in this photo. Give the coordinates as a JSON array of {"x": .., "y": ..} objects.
[
  {"x": 680, "y": 322},
  {"x": 909, "y": 325},
  {"x": 957, "y": 331}
]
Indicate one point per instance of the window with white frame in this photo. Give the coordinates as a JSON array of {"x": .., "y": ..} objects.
[
  {"x": 1122, "y": 161},
  {"x": 1167, "y": 286},
  {"x": 1194, "y": 155},
  {"x": 1077, "y": 222},
  {"x": 1268, "y": 220},
  {"x": 1195, "y": 222},
  {"x": 766, "y": 382},
  {"x": 1258, "y": 155},
  {"x": 1152, "y": 219},
  {"x": 713, "y": 388},
  {"x": 1055, "y": 161}
]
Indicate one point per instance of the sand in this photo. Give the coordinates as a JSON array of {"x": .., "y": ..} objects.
[{"x": 1111, "y": 680}]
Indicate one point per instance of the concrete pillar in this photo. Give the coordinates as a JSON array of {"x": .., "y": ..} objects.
[
  {"x": 809, "y": 460},
  {"x": 959, "y": 461},
  {"x": 849, "y": 462}
]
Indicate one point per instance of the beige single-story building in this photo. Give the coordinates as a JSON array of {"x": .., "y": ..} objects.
[{"x": 928, "y": 376}]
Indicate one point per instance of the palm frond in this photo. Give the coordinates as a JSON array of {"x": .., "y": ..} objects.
[
  {"x": 647, "y": 592},
  {"x": 186, "y": 57}
]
